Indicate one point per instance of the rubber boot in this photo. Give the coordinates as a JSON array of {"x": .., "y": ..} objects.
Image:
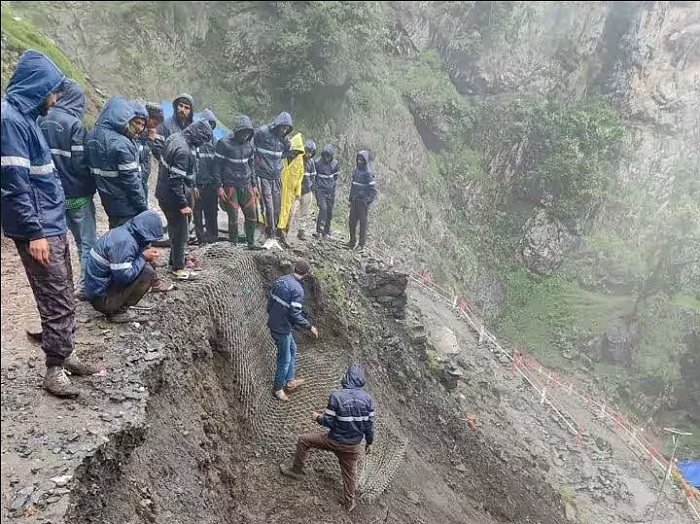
[
  {"x": 57, "y": 383},
  {"x": 250, "y": 236},
  {"x": 283, "y": 238},
  {"x": 233, "y": 233},
  {"x": 77, "y": 367}
]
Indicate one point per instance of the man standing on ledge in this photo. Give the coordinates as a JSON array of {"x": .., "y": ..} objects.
[
  {"x": 34, "y": 214},
  {"x": 284, "y": 310}
]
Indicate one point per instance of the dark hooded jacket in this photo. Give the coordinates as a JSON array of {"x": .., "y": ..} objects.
[
  {"x": 327, "y": 171},
  {"x": 307, "y": 184},
  {"x": 65, "y": 134},
  {"x": 284, "y": 307},
  {"x": 234, "y": 157},
  {"x": 176, "y": 172},
  {"x": 204, "y": 154},
  {"x": 171, "y": 125},
  {"x": 350, "y": 411},
  {"x": 115, "y": 259},
  {"x": 113, "y": 158},
  {"x": 33, "y": 203},
  {"x": 143, "y": 143},
  {"x": 364, "y": 188},
  {"x": 270, "y": 149}
]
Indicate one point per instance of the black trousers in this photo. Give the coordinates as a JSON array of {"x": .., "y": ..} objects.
[
  {"x": 206, "y": 212},
  {"x": 358, "y": 214},
  {"x": 118, "y": 297},
  {"x": 326, "y": 201}
]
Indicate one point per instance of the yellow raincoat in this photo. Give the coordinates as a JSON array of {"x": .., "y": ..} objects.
[{"x": 292, "y": 176}]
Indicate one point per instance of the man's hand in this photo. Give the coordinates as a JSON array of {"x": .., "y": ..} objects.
[
  {"x": 368, "y": 449},
  {"x": 151, "y": 133},
  {"x": 186, "y": 211},
  {"x": 315, "y": 416},
  {"x": 314, "y": 331},
  {"x": 150, "y": 254},
  {"x": 221, "y": 193},
  {"x": 40, "y": 250}
]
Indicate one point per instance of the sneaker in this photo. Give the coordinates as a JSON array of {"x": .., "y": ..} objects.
[
  {"x": 301, "y": 235},
  {"x": 276, "y": 245},
  {"x": 77, "y": 367},
  {"x": 57, "y": 383},
  {"x": 295, "y": 384},
  {"x": 254, "y": 247},
  {"x": 161, "y": 287},
  {"x": 182, "y": 274},
  {"x": 143, "y": 305},
  {"x": 122, "y": 316},
  {"x": 291, "y": 473},
  {"x": 281, "y": 395},
  {"x": 269, "y": 243}
]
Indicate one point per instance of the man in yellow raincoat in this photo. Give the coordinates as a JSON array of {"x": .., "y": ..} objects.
[{"x": 292, "y": 177}]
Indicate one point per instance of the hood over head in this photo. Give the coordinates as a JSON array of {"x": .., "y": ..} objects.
[
  {"x": 140, "y": 109},
  {"x": 297, "y": 143},
  {"x": 71, "y": 99},
  {"x": 328, "y": 151},
  {"x": 243, "y": 123},
  {"x": 354, "y": 377},
  {"x": 198, "y": 133},
  {"x": 283, "y": 119},
  {"x": 185, "y": 97},
  {"x": 146, "y": 227},
  {"x": 116, "y": 114},
  {"x": 35, "y": 78},
  {"x": 368, "y": 162},
  {"x": 310, "y": 147},
  {"x": 208, "y": 116}
]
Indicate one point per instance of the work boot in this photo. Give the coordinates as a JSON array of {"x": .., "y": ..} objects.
[
  {"x": 283, "y": 238},
  {"x": 291, "y": 472},
  {"x": 349, "y": 506},
  {"x": 122, "y": 316},
  {"x": 233, "y": 234},
  {"x": 57, "y": 383},
  {"x": 77, "y": 367},
  {"x": 301, "y": 235},
  {"x": 350, "y": 245},
  {"x": 254, "y": 247},
  {"x": 161, "y": 287}
]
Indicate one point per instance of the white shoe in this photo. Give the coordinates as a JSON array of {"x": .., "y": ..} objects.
[
  {"x": 269, "y": 243},
  {"x": 277, "y": 245},
  {"x": 281, "y": 395}
]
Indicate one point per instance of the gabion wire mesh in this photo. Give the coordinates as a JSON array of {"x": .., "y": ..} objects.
[{"x": 235, "y": 297}]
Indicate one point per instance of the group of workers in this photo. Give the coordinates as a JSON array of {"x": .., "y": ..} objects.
[{"x": 52, "y": 166}]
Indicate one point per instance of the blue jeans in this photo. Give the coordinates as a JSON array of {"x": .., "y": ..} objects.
[
  {"x": 286, "y": 354},
  {"x": 81, "y": 223}
]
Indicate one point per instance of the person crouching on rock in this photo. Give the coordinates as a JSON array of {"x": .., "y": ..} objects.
[
  {"x": 284, "y": 312},
  {"x": 350, "y": 417},
  {"x": 119, "y": 271}
]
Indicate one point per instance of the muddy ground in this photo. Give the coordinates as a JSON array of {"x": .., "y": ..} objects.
[{"x": 168, "y": 436}]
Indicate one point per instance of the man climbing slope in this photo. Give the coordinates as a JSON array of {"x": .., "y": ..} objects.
[
  {"x": 350, "y": 418},
  {"x": 284, "y": 309}
]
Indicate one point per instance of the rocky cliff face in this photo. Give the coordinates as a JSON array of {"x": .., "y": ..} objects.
[{"x": 459, "y": 102}]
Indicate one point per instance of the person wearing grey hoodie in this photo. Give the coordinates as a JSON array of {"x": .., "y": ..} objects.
[
  {"x": 271, "y": 144},
  {"x": 183, "y": 115}
]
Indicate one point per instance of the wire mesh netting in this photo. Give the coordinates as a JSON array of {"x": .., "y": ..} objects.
[{"x": 234, "y": 294}]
